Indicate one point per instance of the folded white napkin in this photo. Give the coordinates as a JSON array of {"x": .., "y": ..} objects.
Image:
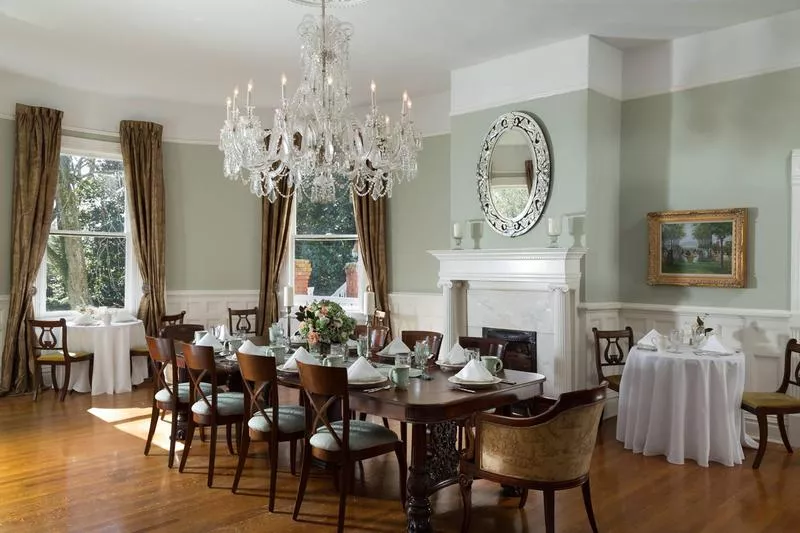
[
  {"x": 395, "y": 347},
  {"x": 713, "y": 344},
  {"x": 456, "y": 356},
  {"x": 83, "y": 320},
  {"x": 650, "y": 339},
  {"x": 209, "y": 340},
  {"x": 361, "y": 370},
  {"x": 223, "y": 334},
  {"x": 302, "y": 355},
  {"x": 251, "y": 349},
  {"x": 474, "y": 371},
  {"x": 124, "y": 316}
]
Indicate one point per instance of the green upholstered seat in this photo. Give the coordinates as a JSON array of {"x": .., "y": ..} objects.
[
  {"x": 183, "y": 392},
  {"x": 770, "y": 400},
  {"x": 59, "y": 356},
  {"x": 228, "y": 403},
  {"x": 614, "y": 381},
  {"x": 291, "y": 418},
  {"x": 363, "y": 435}
]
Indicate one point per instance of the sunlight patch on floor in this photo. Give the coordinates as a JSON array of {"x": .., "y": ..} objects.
[
  {"x": 120, "y": 413},
  {"x": 135, "y": 421}
]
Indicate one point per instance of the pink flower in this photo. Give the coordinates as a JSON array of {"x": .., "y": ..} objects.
[
  {"x": 324, "y": 310},
  {"x": 313, "y": 337}
]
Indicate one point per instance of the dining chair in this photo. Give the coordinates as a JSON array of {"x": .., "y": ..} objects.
[
  {"x": 434, "y": 338},
  {"x": 778, "y": 403},
  {"x": 172, "y": 320},
  {"x": 219, "y": 409},
  {"x": 612, "y": 354},
  {"x": 49, "y": 343},
  {"x": 556, "y": 454},
  {"x": 168, "y": 395},
  {"x": 143, "y": 351},
  {"x": 246, "y": 321},
  {"x": 181, "y": 332},
  {"x": 377, "y": 335},
  {"x": 486, "y": 346},
  {"x": 267, "y": 421},
  {"x": 343, "y": 442}
]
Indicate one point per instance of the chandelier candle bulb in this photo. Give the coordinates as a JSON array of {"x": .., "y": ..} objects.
[
  {"x": 228, "y": 108},
  {"x": 283, "y": 87},
  {"x": 405, "y": 101},
  {"x": 249, "y": 92},
  {"x": 372, "y": 88}
]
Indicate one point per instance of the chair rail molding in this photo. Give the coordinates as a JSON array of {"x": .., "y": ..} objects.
[{"x": 528, "y": 288}]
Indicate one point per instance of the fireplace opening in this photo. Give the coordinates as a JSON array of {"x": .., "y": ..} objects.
[{"x": 521, "y": 348}]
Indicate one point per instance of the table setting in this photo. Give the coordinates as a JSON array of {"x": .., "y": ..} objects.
[{"x": 453, "y": 360}]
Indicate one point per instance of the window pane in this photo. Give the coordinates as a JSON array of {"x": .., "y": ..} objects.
[
  {"x": 319, "y": 219},
  {"x": 90, "y": 195},
  {"x": 330, "y": 267},
  {"x": 85, "y": 271}
]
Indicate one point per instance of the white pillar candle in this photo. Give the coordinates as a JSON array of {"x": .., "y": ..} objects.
[
  {"x": 369, "y": 303},
  {"x": 554, "y": 226},
  {"x": 458, "y": 232},
  {"x": 288, "y": 296}
]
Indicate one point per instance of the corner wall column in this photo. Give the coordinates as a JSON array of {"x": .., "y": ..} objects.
[
  {"x": 448, "y": 300},
  {"x": 562, "y": 340}
]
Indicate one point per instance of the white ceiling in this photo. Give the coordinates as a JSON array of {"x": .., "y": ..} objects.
[{"x": 196, "y": 50}]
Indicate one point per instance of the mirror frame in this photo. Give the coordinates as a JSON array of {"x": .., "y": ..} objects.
[{"x": 537, "y": 199}]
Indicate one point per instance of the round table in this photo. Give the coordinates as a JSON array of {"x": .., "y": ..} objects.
[
  {"x": 683, "y": 405},
  {"x": 114, "y": 371}
]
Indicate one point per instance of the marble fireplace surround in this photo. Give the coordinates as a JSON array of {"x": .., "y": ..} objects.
[{"x": 528, "y": 289}]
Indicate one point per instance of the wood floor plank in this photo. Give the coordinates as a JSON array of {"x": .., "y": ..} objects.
[{"x": 79, "y": 467}]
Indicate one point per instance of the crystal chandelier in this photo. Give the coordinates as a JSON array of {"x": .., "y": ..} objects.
[{"x": 315, "y": 144}]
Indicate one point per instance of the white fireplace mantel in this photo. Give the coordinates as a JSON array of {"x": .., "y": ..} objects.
[{"x": 528, "y": 288}]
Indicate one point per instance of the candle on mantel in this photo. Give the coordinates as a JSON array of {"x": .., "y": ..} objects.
[
  {"x": 554, "y": 226},
  {"x": 458, "y": 232},
  {"x": 369, "y": 303},
  {"x": 288, "y": 296}
]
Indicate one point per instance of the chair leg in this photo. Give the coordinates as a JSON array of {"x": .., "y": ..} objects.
[
  {"x": 402, "y": 467},
  {"x": 784, "y": 435},
  {"x": 53, "y": 379},
  {"x": 65, "y": 385},
  {"x": 404, "y": 432},
  {"x": 202, "y": 433},
  {"x": 386, "y": 422},
  {"x": 304, "y": 471},
  {"x": 212, "y": 454},
  {"x": 293, "y": 456},
  {"x": 152, "y": 431},
  {"x": 273, "y": 472},
  {"x": 91, "y": 370},
  {"x": 173, "y": 437},
  {"x": 344, "y": 489},
  {"x": 523, "y": 499},
  {"x": 762, "y": 440},
  {"x": 187, "y": 443},
  {"x": 37, "y": 381},
  {"x": 240, "y": 463},
  {"x": 229, "y": 438},
  {"x": 465, "y": 485},
  {"x": 550, "y": 511},
  {"x": 587, "y": 502}
]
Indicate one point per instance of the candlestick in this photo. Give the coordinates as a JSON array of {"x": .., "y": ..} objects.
[
  {"x": 458, "y": 234},
  {"x": 288, "y": 296},
  {"x": 554, "y": 230}
]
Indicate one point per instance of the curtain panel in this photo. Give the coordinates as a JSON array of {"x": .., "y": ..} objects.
[
  {"x": 36, "y": 162},
  {"x": 371, "y": 228},
  {"x": 276, "y": 220},
  {"x": 144, "y": 180}
]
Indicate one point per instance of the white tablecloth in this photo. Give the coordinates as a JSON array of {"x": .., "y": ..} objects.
[
  {"x": 112, "y": 362},
  {"x": 683, "y": 406}
]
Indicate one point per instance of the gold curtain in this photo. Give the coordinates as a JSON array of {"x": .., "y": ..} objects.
[
  {"x": 275, "y": 225},
  {"x": 36, "y": 161},
  {"x": 144, "y": 181},
  {"x": 371, "y": 229}
]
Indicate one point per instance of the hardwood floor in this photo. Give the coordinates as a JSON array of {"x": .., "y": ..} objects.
[{"x": 78, "y": 466}]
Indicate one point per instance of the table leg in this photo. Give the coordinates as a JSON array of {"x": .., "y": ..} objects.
[{"x": 419, "y": 505}]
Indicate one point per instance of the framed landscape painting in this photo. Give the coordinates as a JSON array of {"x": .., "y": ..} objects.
[{"x": 705, "y": 248}]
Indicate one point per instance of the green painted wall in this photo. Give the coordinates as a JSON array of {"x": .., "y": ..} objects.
[
  {"x": 723, "y": 145},
  {"x": 418, "y": 220},
  {"x": 6, "y": 187}
]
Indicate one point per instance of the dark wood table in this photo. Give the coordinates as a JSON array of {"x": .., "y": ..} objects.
[{"x": 432, "y": 407}]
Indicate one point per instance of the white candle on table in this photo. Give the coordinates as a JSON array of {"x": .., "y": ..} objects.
[
  {"x": 369, "y": 303},
  {"x": 554, "y": 226},
  {"x": 458, "y": 232},
  {"x": 288, "y": 296}
]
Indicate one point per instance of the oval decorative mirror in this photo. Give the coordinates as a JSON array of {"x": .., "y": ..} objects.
[{"x": 514, "y": 173}]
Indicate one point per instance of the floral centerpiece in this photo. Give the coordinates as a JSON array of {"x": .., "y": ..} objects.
[{"x": 324, "y": 322}]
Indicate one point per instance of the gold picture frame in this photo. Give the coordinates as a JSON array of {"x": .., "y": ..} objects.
[{"x": 700, "y": 248}]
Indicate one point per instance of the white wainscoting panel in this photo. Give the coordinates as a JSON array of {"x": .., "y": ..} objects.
[
  {"x": 416, "y": 311},
  {"x": 209, "y": 307}
]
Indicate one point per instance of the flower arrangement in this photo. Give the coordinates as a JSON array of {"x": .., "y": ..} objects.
[
  {"x": 324, "y": 321},
  {"x": 701, "y": 328}
]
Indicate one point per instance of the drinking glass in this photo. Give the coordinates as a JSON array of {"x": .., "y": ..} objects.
[
  {"x": 363, "y": 346},
  {"x": 472, "y": 354},
  {"x": 675, "y": 337}
]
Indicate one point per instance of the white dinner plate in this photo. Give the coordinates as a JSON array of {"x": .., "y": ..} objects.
[
  {"x": 473, "y": 384},
  {"x": 447, "y": 367},
  {"x": 366, "y": 383},
  {"x": 287, "y": 370},
  {"x": 412, "y": 372}
]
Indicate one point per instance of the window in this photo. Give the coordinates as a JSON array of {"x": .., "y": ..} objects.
[
  {"x": 324, "y": 256},
  {"x": 89, "y": 256}
]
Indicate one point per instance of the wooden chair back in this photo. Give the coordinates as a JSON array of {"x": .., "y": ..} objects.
[
  {"x": 172, "y": 320},
  {"x": 181, "y": 332},
  {"x": 377, "y": 335},
  {"x": 491, "y": 346},
  {"x": 323, "y": 387},
  {"x": 200, "y": 365},
  {"x": 612, "y": 354},
  {"x": 50, "y": 335},
  {"x": 789, "y": 377},
  {"x": 568, "y": 430},
  {"x": 162, "y": 354},
  {"x": 246, "y": 320},
  {"x": 260, "y": 376},
  {"x": 434, "y": 339}
]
